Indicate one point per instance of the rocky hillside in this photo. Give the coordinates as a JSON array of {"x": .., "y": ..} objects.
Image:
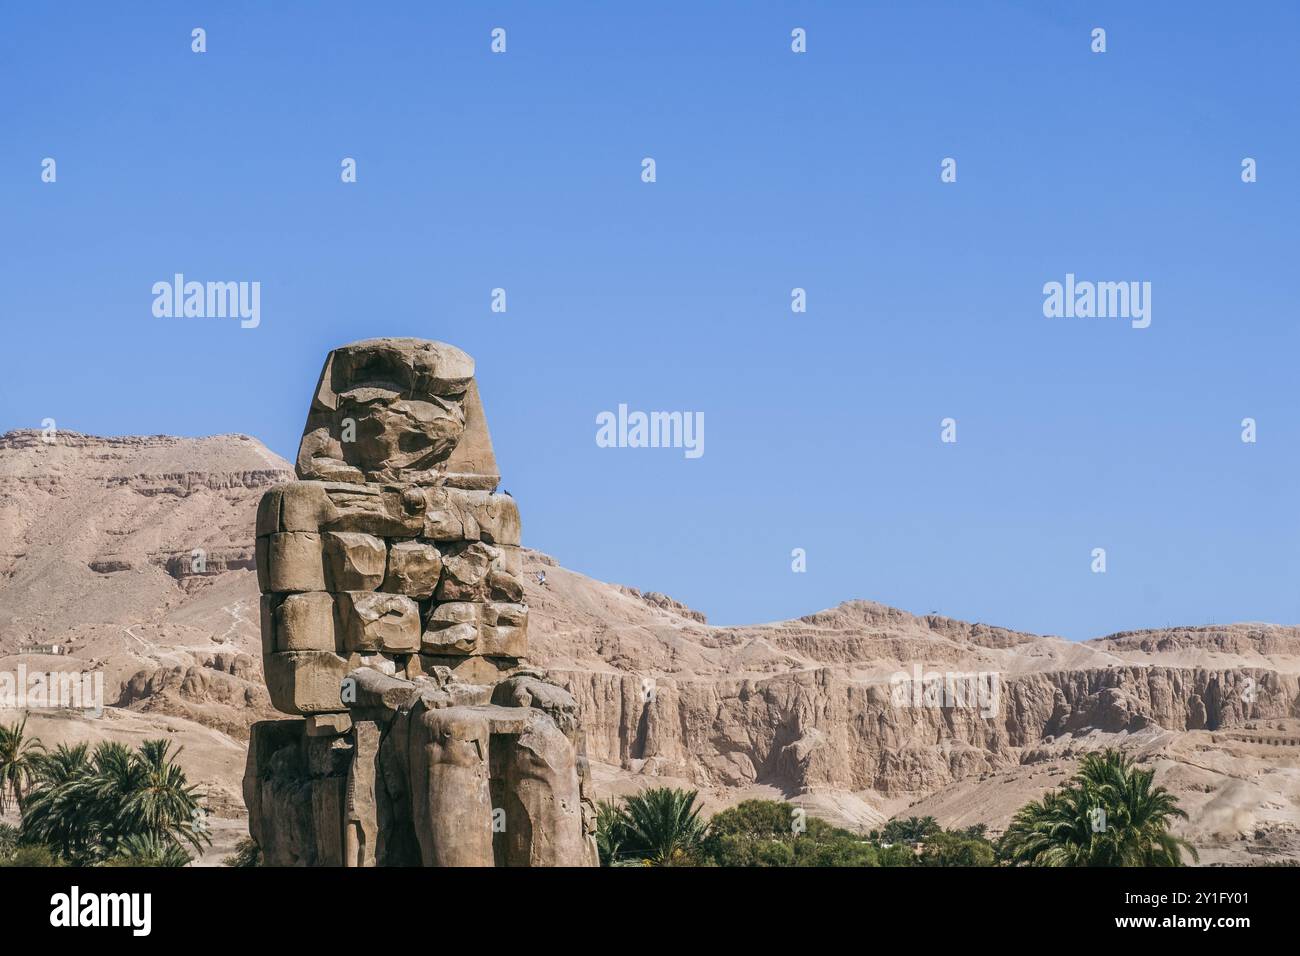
[{"x": 134, "y": 555}]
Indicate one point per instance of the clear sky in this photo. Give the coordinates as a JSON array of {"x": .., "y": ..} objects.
[{"x": 774, "y": 170}]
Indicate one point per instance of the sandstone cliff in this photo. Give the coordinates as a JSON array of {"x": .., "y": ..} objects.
[{"x": 97, "y": 545}]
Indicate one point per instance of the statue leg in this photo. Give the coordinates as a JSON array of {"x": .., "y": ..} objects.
[
  {"x": 450, "y": 802},
  {"x": 542, "y": 799}
]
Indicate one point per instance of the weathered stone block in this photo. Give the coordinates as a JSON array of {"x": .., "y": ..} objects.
[
  {"x": 283, "y": 834},
  {"x": 305, "y": 682},
  {"x": 413, "y": 569},
  {"x": 452, "y": 628},
  {"x": 369, "y": 690},
  {"x": 304, "y": 506},
  {"x": 305, "y": 622},
  {"x": 465, "y": 568},
  {"x": 454, "y": 514},
  {"x": 501, "y": 614},
  {"x": 533, "y": 693},
  {"x": 328, "y": 725},
  {"x": 472, "y": 669},
  {"x": 354, "y": 561},
  {"x": 268, "y": 511},
  {"x": 296, "y": 562},
  {"x": 451, "y": 613},
  {"x": 503, "y": 641},
  {"x": 453, "y": 639},
  {"x": 512, "y": 560},
  {"x": 450, "y": 797},
  {"x": 503, "y": 586},
  {"x": 375, "y": 621},
  {"x": 374, "y": 509},
  {"x": 376, "y": 661},
  {"x": 461, "y": 627}
]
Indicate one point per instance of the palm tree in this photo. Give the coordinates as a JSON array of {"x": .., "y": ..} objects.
[
  {"x": 662, "y": 825},
  {"x": 611, "y": 831},
  {"x": 1134, "y": 830},
  {"x": 102, "y": 792},
  {"x": 979, "y": 831},
  {"x": 160, "y": 803},
  {"x": 51, "y": 815},
  {"x": 18, "y": 757},
  {"x": 1109, "y": 815},
  {"x": 1054, "y": 831},
  {"x": 912, "y": 830},
  {"x": 100, "y": 807},
  {"x": 149, "y": 849}
]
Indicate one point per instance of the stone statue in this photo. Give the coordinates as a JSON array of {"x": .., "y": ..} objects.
[{"x": 393, "y": 624}]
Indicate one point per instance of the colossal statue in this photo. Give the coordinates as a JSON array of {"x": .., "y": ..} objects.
[{"x": 394, "y": 629}]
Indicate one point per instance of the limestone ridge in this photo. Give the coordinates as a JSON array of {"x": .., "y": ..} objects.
[
  {"x": 96, "y": 540},
  {"x": 393, "y": 624}
]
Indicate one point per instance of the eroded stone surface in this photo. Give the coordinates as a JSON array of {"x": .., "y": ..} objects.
[
  {"x": 375, "y": 621},
  {"x": 393, "y": 617},
  {"x": 295, "y": 562},
  {"x": 413, "y": 569},
  {"x": 354, "y": 561},
  {"x": 305, "y": 622}
]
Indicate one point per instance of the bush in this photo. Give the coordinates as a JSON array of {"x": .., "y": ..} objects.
[
  {"x": 35, "y": 855},
  {"x": 247, "y": 853},
  {"x": 772, "y": 833},
  {"x": 757, "y": 833},
  {"x": 659, "y": 826},
  {"x": 8, "y": 839},
  {"x": 956, "y": 849}
]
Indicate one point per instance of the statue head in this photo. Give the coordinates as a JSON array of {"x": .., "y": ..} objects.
[{"x": 397, "y": 410}]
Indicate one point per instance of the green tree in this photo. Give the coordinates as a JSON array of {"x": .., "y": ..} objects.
[
  {"x": 979, "y": 831},
  {"x": 148, "y": 849},
  {"x": 247, "y": 853},
  {"x": 948, "y": 848},
  {"x": 1109, "y": 814},
  {"x": 913, "y": 830},
  {"x": 18, "y": 757},
  {"x": 662, "y": 826},
  {"x": 160, "y": 803},
  {"x": 51, "y": 815},
  {"x": 774, "y": 833},
  {"x": 112, "y": 803},
  {"x": 611, "y": 832}
]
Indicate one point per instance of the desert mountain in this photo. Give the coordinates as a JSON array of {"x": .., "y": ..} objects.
[{"x": 133, "y": 557}]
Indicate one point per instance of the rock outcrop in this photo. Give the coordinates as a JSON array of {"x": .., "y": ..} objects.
[
  {"x": 821, "y": 730},
  {"x": 97, "y": 556},
  {"x": 393, "y": 622}
]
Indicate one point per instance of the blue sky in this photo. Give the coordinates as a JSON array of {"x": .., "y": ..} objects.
[{"x": 774, "y": 170}]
